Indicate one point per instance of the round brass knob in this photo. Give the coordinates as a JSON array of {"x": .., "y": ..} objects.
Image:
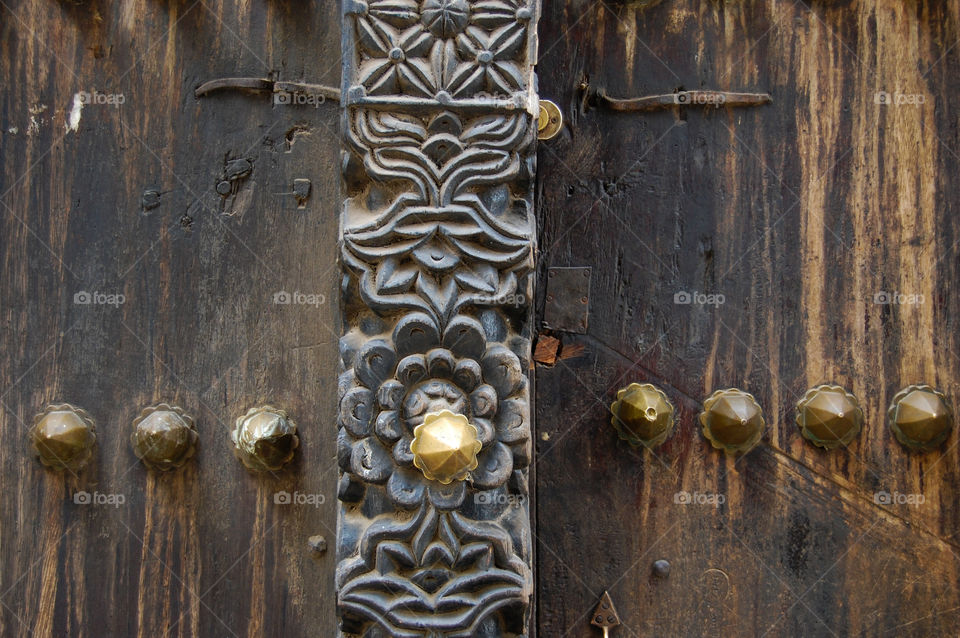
[
  {"x": 164, "y": 437},
  {"x": 445, "y": 446},
  {"x": 63, "y": 437},
  {"x": 642, "y": 415},
  {"x": 732, "y": 420},
  {"x": 265, "y": 438},
  {"x": 549, "y": 120},
  {"x": 829, "y": 416},
  {"x": 920, "y": 417}
]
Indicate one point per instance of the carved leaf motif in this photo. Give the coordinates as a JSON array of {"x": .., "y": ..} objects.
[
  {"x": 389, "y": 585},
  {"x": 436, "y": 235},
  {"x": 479, "y": 277},
  {"x": 392, "y": 277}
]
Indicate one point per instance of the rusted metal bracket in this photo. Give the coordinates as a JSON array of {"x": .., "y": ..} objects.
[
  {"x": 568, "y": 299},
  {"x": 664, "y": 101},
  {"x": 319, "y": 92}
]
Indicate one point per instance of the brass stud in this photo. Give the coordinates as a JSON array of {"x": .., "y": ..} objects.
[
  {"x": 920, "y": 417},
  {"x": 732, "y": 420},
  {"x": 63, "y": 437},
  {"x": 265, "y": 438},
  {"x": 445, "y": 446},
  {"x": 549, "y": 121},
  {"x": 164, "y": 437},
  {"x": 829, "y": 416},
  {"x": 642, "y": 415}
]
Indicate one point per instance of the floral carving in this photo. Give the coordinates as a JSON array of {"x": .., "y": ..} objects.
[
  {"x": 446, "y": 45},
  {"x": 453, "y": 573},
  {"x": 437, "y": 249},
  {"x": 393, "y": 385},
  {"x": 459, "y": 236}
]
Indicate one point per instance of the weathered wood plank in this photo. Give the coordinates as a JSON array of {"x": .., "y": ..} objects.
[
  {"x": 204, "y": 551},
  {"x": 798, "y": 213}
]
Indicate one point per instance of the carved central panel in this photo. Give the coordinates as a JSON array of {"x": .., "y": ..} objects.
[{"x": 437, "y": 233}]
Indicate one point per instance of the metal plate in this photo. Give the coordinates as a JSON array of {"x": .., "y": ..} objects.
[{"x": 568, "y": 299}]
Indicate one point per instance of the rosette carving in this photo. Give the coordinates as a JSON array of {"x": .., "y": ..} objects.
[{"x": 437, "y": 248}]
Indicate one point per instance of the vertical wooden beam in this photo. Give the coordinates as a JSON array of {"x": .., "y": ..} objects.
[{"x": 437, "y": 233}]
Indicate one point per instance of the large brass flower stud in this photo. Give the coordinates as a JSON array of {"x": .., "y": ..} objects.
[{"x": 445, "y": 446}]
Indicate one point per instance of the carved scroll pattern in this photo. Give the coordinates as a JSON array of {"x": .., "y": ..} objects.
[{"x": 437, "y": 247}]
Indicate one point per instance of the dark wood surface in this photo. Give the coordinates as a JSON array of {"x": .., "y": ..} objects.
[
  {"x": 798, "y": 213},
  {"x": 203, "y": 551}
]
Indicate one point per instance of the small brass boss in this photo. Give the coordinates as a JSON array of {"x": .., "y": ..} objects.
[
  {"x": 642, "y": 415},
  {"x": 732, "y": 420},
  {"x": 829, "y": 416},
  {"x": 920, "y": 417}
]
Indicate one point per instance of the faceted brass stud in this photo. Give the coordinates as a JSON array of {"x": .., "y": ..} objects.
[
  {"x": 732, "y": 420},
  {"x": 445, "y": 446},
  {"x": 265, "y": 438},
  {"x": 829, "y": 416},
  {"x": 63, "y": 437},
  {"x": 642, "y": 415},
  {"x": 920, "y": 417},
  {"x": 164, "y": 437}
]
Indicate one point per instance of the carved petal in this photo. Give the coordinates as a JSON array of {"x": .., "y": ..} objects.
[
  {"x": 356, "y": 409},
  {"x": 371, "y": 461},
  {"x": 510, "y": 421},
  {"x": 502, "y": 370},
  {"x": 496, "y": 464},
  {"x": 416, "y": 332},
  {"x": 447, "y": 497},
  {"x": 483, "y": 401},
  {"x": 406, "y": 488},
  {"x": 375, "y": 363}
]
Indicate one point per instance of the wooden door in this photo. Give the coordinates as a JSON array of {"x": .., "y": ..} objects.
[
  {"x": 160, "y": 248},
  {"x": 820, "y": 233},
  {"x": 128, "y": 280}
]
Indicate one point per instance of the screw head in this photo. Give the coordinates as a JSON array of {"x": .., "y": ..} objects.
[{"x": 661, "y": 568}]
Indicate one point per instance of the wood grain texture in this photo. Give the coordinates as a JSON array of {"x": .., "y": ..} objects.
[
  {"x": 203, "y": 551},
  {"x": 798, "y": 213}
]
